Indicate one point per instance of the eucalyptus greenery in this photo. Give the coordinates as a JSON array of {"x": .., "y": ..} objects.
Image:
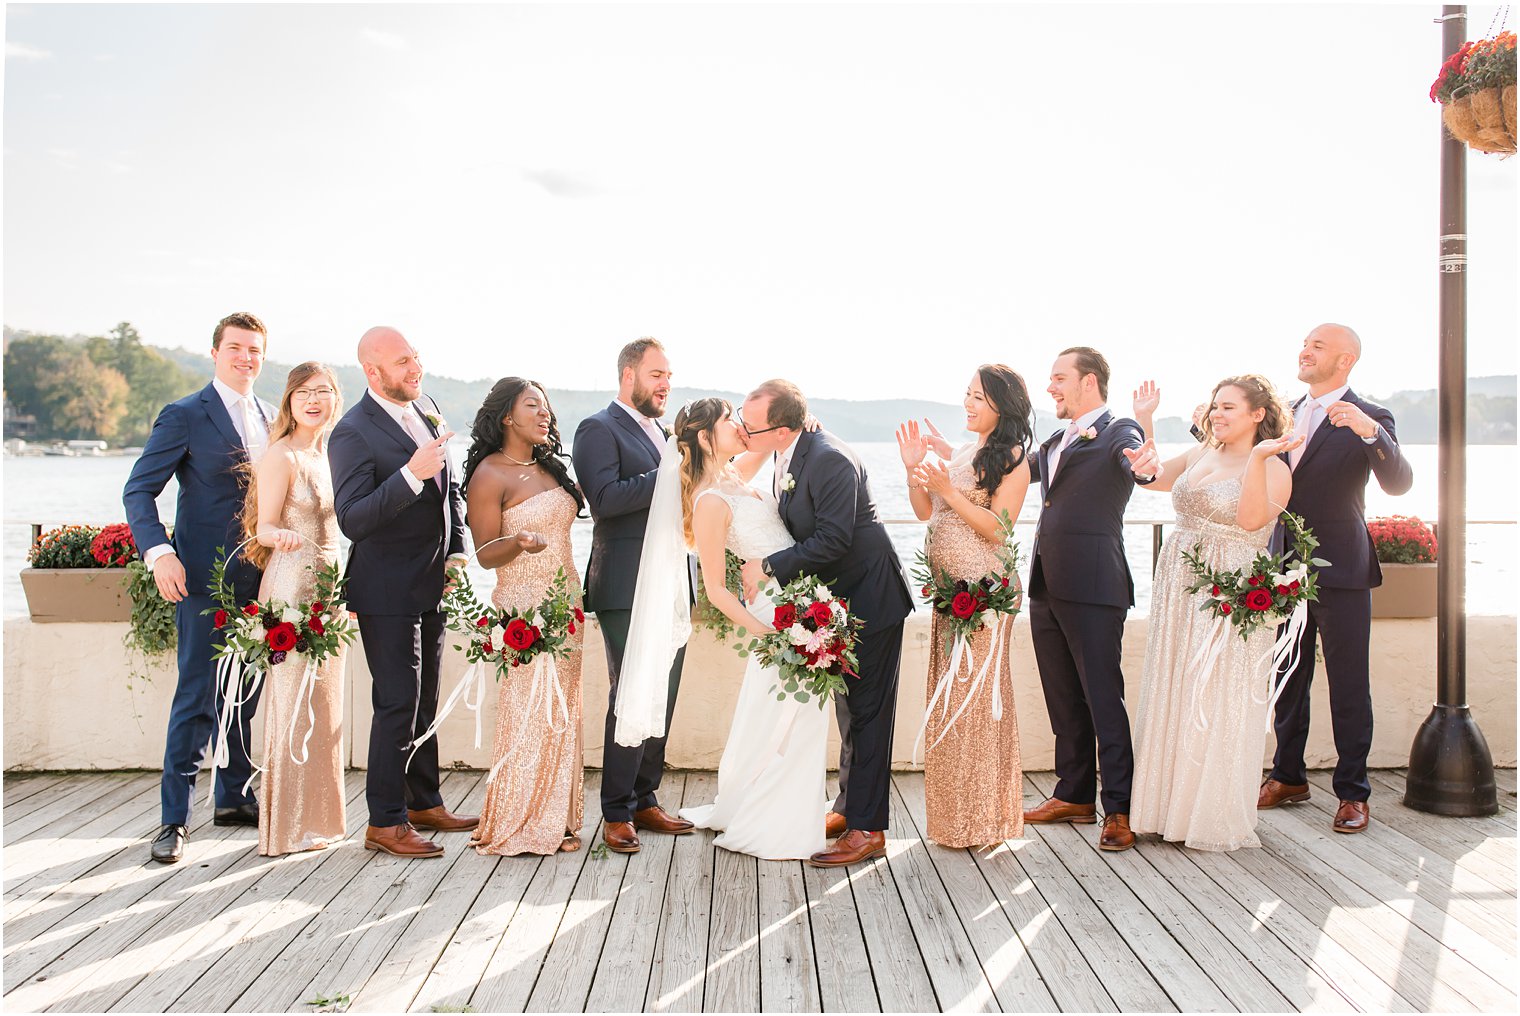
[{"x": 151, "y": 635}]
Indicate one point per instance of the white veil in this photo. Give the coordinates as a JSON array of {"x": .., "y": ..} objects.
[{"x": 661, "y": 621}]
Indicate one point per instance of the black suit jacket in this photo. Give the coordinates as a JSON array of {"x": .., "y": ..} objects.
[
  {"x": 1078, "y": 551},
  {"x": 195, "y": 441},
  {"x": 400, "y": 539},
  {"x": 616, "y": 464},
  {"x": 840, "y": 538},
  {"x": 1330, "y": 492}
]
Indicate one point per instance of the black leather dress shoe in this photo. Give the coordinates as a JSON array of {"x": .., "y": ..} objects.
[
  {"x": 243, "y": 814},
  {"x": 169, "y": 845}
]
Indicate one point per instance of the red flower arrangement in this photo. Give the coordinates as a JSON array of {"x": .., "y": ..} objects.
[
  {"x": 968, "y": 605},
  {"x": 263, "y": 634},
  {"x": 1265, "y": 592},
  {"x": 813, "y": 645},
  {"x": 1402, "y": 539},
  {"x": 113, "y": 547},
  {"x": 524, "y": 634}
]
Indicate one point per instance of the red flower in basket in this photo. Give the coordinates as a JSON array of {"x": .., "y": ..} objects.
[
  {"x": 316, "y": 626},
  {"x": 519, "y": 635},
  {"x": 282, "y": 637},
  {"x": 219, "y": 618},
  {"x": 963, "y": 606},
  {"x": 1259, "y": 599},
  {"x": 785, "y": 617},
  {"x": 821, "y": 613}
]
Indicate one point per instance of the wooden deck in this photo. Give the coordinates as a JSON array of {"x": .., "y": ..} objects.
[{"x": 1417, "y": 914}]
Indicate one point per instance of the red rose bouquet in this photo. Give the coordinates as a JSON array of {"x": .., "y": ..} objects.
[
  {"x": 966, "y": 606},
  {"x": 509, "y": 638},
  {"x": 1268, "y": 592},
  {"x": 1402, "y": 539},
  {"x": 813, "y": 645}
]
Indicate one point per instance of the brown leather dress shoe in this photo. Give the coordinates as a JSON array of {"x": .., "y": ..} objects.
[
  {"x": 658, "y": 820},
  {"x": 834, "y": 825},
  {"x": 1351, "y": 817},
  {"x": 1054, "y": 810},
  {"x": 1116, "y": 834},
  {"x": 401, "y": 840},
  {"x": 1275, "y": 792},
  {"x": 620, "y": 837},
  {"x": 853, "y": 846},
  {"x": 442, "y": 820}
]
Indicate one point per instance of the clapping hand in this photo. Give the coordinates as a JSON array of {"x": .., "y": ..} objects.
[
  {"x": 937, "y": 443},
  {"x": 1145, "y": 460},
  {"x": 1278, "y": 445},
  {"x": 911, "y": 444},
  {"x": 1147, "y": 399},
  {"x": 933, "y": 476},
  {"x": 1344, "y": 414},
  {"x": 529, "y": 542},
  {"x": 429, "y": 459}
]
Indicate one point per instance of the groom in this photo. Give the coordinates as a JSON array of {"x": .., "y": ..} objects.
[
  {"x": 398, "y": 501},
  {"x": 827, "y": 507},
  {"x": 1080, "y": 590}
]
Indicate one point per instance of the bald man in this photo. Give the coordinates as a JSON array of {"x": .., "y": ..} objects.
[
  {"x": 1350, "y": 438},
  {"x": 398, "y": 500}
]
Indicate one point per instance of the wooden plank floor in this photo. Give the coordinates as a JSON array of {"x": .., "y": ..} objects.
[{"x": 1416, "y": 915}]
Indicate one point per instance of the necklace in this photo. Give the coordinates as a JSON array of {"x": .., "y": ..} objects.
[{"x": 520, "y": 462}]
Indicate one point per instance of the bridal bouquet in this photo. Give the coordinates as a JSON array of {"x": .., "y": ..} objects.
[
  {"x": 509, "y": 638},
  {"x": 261, "y": 635},
  {"x": 813, "y": 646},
  {"x": 1266, "y": 593},
  {"x": 966, "y": 607}
]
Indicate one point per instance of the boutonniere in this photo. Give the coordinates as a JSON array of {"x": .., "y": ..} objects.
[
  {"x": 1087, "y": 434},
  {"x": 788, "y": 483},
  {"x": 434, "y": 419}
]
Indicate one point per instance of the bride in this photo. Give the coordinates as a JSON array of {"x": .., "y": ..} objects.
[{"x": 771, "y": 791}]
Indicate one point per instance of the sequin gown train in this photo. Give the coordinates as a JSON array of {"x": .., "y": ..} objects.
[
  {"x": 535, "y": 800},
  {"x": 301, "y": 805},
  {"x": 1200, "y": 734},
  {"x": 973, "y": 779}
]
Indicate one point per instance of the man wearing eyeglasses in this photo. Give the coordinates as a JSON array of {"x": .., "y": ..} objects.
[{"x": 204, "y": 440}]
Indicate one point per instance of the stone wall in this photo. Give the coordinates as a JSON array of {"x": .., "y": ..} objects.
[{"x": 69, "y": 703}]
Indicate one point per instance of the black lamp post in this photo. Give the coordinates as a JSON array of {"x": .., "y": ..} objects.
[{"x": 1450, "y": 769}]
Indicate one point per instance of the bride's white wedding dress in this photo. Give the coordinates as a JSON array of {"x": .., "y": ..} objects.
[{"x": 771, "y": 793}]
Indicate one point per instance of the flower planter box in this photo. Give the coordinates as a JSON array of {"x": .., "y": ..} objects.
[
  {"x": 1408, "y": 590},
  {"x": 77, "y": 594}
]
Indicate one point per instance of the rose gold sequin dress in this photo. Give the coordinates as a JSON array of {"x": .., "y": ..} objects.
[
  {"x": 535, "y": 799},
  {"x": 1200, "y": 731},
  {"x": 973, "y": 779},
  {"x": 301, "y": 804}
]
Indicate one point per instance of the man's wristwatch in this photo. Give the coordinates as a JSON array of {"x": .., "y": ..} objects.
[{"x": 765, "y": 566}]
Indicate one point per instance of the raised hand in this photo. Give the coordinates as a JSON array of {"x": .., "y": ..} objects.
[
  {"x": 1200, "y": 413},
  {"x": 429, "y": 458},
  {"x": 530, "y": 542},
  {"x": 1147, "y": 400},
  {"x": 1344, "y": 414},
  {"x": 911, "y": 444},
  {"x": 1278, "y": 445},
  {"x": 1145, "y": 460},
  {"x": 937, "y": 442}
]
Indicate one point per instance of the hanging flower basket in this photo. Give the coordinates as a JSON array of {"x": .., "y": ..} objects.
[{"x": 1476, "y": 90}]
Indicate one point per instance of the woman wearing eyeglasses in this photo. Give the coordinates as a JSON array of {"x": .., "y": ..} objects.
[{"x": 288, "y": 515}]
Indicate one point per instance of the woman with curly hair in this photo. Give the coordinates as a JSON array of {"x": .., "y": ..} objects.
[
  {"x": 1200, "y": 725},
  {"x": 520, "y": 503},
  {"x": 973, "y": 775}
]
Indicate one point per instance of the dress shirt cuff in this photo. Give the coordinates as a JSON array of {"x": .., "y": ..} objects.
[
  {"x": 411, "y": 481},
  {"x": 1375, "y": 435},
  {"x": 152, "y": 554}
]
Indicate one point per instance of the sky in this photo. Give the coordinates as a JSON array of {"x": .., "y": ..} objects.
[{"x": 869, "y": 200}]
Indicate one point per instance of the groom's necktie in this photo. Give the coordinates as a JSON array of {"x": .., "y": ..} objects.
[{"x": 1310, "y": 414}]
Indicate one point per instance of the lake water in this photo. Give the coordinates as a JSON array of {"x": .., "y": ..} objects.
[{"x": 55, "y": 491}]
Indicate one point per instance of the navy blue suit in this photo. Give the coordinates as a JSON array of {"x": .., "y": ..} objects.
[
  {"x": 840, "y": 540},
  {"x": 195, "y": 441},
  {"x": 401, "y": 541},
  {"x": 1080, "y": 590},
  {"x": 1329, "y": 492},
  {"x": 616, "y": 462}
]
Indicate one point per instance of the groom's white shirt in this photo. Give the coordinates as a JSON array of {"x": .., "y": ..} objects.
[
  {"x": 1080, "y": 423},
  {"x": 783, "y": 462},
  {"x": 399, "y": 414},
  {"x": 648, "y": 426}
]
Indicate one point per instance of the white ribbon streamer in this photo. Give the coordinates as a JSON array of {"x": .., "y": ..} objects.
[
  {"x": 308, "y": 688},
  {"x": 474, "y": 678},
  {"x": 992, "y": 663},
  {"x": 544, "y": 684},
  {"x": 231, "y": 667}
]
